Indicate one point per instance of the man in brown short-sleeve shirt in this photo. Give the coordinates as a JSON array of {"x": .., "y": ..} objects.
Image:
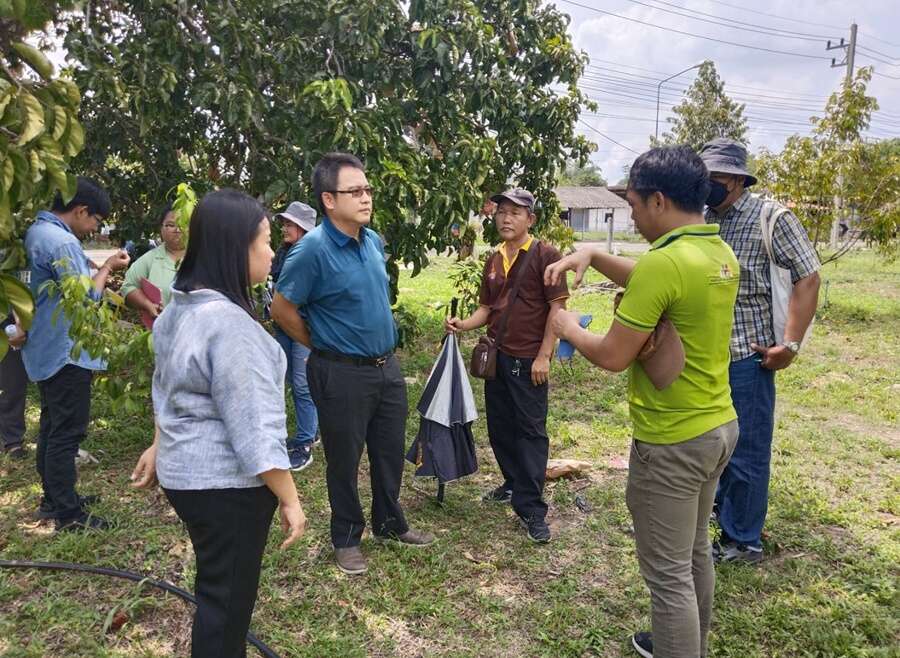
[{"x": 516, "y": 401}]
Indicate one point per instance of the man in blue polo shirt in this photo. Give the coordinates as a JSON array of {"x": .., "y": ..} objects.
[{"x": 332, "y": 296}]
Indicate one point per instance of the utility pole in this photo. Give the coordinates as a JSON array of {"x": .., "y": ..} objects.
[{"x": 849, "y": 59}]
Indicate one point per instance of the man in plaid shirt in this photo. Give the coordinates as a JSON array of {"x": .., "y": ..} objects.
[{"x": 756, "y": 353}]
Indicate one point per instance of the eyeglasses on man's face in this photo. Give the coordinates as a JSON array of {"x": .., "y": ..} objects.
[{"x": 356, "y": 192}]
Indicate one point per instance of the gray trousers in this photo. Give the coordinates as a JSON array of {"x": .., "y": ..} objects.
[
  {"x": 670, "y": 493},
  {"x": 13, "y": 387}
]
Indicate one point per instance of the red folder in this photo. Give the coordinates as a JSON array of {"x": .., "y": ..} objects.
[{"x": 154, "y": 295}]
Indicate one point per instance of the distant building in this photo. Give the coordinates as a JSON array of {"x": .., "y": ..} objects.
[{"x": 591, "y": 209}]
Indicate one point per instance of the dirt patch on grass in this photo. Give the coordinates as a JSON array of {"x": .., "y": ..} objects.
[{"x": 852, "y": 423}]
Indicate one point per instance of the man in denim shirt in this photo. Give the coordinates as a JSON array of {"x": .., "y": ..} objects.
[{"x": 54, "y": 251}]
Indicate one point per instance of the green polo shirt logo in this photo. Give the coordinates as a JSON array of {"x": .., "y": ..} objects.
[{"x": 725, "y": 275}]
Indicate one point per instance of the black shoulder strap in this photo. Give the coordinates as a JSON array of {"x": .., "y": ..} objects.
[{"x": 501, "y": 327}]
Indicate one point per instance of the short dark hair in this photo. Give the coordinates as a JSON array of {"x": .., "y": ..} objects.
[
  {"x": 675, "y": 171},
  {"x": 223, "y": 226},
  {"x": 325, "y": 174},
  {"x": 88, "y": 193},
  {"x": 163, "y": 214}
]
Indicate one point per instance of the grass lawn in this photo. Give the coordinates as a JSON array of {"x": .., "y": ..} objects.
[{"x": 828, "y": 587}]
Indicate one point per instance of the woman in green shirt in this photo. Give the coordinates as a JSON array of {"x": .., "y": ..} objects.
[{"x": 158, "y": 266}]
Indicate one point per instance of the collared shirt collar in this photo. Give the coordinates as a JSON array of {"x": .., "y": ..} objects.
[
  {"x": 340, "y": 238},
  {"x": 507, "y": 263},
  {"x": 48, "y": 216},
  {"x": 161, "y": 253},
  {"x": 690, "y": 229}
]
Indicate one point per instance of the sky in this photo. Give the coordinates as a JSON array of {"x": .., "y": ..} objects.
[{"x": 781, "y": 91}]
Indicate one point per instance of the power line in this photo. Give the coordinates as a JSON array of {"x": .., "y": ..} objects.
[
  {"x": 877, "y": 59},
  {"x": 727, "y": 84},
  {"x": 890, "y": 43},
  {"x": 784, "y": 18},
  {"x": 876, "y": 52},
  {"x": 733, "y": 24},
  {"x": 698, "y": 36},
  {"x": 754, "y": 113},
  {"x": 803, "y": 22},
  {"x": 607, "y": 137},
  {"x": 885, "y": 75},
  {"x": 799, "y": 102}
]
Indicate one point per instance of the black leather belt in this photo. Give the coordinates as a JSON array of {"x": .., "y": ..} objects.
[{"x": 377, "y": 361}]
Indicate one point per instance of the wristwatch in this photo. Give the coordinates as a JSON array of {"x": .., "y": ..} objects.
[{"x": 793, "y": 346}]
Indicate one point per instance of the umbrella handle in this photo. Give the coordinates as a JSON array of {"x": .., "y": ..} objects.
[{"x": 454, "y": 305}]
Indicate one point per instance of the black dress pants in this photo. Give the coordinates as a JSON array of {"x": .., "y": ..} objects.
[
  {"x": 517, "y": 428},
  {"x": 13, "y": 387},
  {"x": 228, "y": 529},
  {"x": 361, "y": 406},
  {"x": 65, "y": 413}
]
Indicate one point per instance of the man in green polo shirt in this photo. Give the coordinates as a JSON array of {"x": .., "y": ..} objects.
[{"x": 685, "y": 433}]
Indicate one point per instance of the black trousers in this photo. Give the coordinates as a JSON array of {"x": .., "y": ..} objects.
[
  {"x": 517, "y": 428},
  {"x": 228, "y": 529},
  {"x": 65, "y": 413},
  {"x": 361, "y": 407},
  {"x": 13, "y": 387}
]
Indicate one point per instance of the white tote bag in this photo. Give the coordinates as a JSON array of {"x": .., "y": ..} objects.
[{"x": 780, "y": 278}]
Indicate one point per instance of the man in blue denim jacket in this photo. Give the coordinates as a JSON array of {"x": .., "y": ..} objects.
[{"x": 64, "y": 381}]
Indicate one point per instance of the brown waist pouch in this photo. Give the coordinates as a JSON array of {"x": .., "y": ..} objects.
[{"x": 662, "y": 356}]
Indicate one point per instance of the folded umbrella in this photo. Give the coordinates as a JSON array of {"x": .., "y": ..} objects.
[{"x": 444, "y": 447}]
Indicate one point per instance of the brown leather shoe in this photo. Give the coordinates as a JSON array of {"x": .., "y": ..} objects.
[
  {"x": 411, "y": 537},
  {"x": 350, "y": 560}
]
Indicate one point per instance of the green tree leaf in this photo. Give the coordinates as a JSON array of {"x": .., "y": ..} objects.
[
  {"x": 32, "y": 117},
  {"x": 17, "y": 296},
  {"x": 35, "y": 59}
]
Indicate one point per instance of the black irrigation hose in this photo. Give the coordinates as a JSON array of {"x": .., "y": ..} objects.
[{"x": 127, "y": 575}]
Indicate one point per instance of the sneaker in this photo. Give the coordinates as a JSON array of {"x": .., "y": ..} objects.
[
  {"x": 643, "y": 644},
  {"x": 82, "y": 522},
  {"x": 350, "y": 560},
  {"x": 17, "y": 453},
  {"x": 732, "y": 551},
  {"x": 300, "y": 458},
  {"x": 411, "y": 537},
  {"x": 499, "y": 495},
  {"x": 47, "y": 510},
  {"x": 538, "y": 530},
  {"x": 317, "y": 439}
]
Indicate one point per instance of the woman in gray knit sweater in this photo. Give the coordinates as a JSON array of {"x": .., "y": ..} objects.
[{"x": 218, "y": 394}]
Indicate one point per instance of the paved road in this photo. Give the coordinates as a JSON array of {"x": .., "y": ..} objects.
[{"x": 621, "y": 247}]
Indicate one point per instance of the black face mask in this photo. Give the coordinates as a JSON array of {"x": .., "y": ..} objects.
[{"x": 717, "y": 194}]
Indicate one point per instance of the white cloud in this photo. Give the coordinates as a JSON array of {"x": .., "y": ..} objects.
[{"x": 786, "y": 90}]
